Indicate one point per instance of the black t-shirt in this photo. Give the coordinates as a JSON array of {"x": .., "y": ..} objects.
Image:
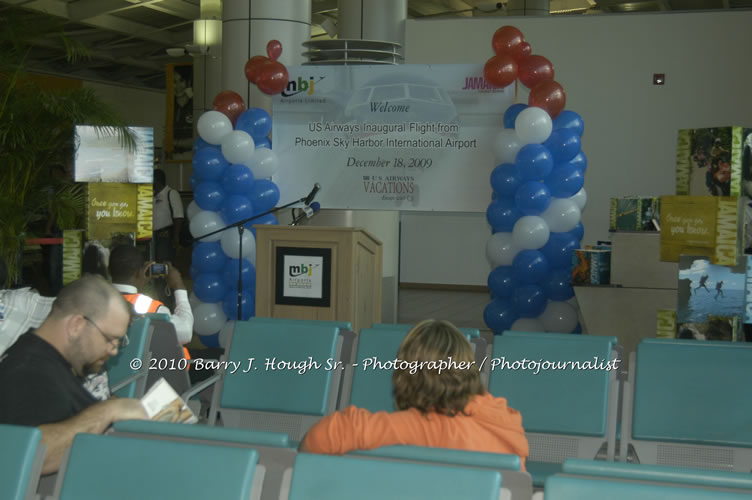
[{"x": 37, "y": 385}]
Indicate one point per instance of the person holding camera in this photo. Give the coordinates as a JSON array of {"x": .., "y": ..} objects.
[{"x": 131, "y": 272}]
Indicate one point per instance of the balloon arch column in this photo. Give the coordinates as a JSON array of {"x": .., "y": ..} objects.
[
  {"x": 232, "y": 165},
  {"x": 537, "y": 199}
]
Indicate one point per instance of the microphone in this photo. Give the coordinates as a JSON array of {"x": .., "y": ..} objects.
[
  {"x": 307, "y": 213},
  {"x": 308, "y": 199}
]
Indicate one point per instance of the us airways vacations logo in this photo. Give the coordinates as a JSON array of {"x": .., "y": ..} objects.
[
  {"x": 476, "y": 83},
  {"x": 302, "y": 270},
  {"x": 299, "y": 86}
]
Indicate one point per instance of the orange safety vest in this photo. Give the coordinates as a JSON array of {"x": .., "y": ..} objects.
[{"x": 146, "y": 305}]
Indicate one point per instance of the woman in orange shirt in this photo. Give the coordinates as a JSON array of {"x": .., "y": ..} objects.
[{"x": 448, "y": 408}]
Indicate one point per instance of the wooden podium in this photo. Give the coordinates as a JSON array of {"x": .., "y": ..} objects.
[{"x": 314, "y": 272}]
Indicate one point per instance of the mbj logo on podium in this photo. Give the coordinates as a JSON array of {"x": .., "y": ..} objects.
[{"x": 302, "y": 270}]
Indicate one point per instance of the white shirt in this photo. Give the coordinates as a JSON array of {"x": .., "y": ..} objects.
[
  {"x": 20, "y": 310},
  {"x": 182, "y": 318},
  {"x": 162, "y": 201}
]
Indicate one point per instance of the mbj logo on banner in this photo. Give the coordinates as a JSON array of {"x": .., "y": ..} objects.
[
  {"x": 408, "y": 137},
  {"x": 303, "y": 276}
]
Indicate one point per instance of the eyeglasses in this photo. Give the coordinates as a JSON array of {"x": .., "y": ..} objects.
[{"x": 115, "y": 343}]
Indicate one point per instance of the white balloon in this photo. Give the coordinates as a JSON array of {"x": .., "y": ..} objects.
[
  {"x": 559, "y": 317},
  {"x": 263, "y": 164},
  {"x": 533, "y": 126},
  {"x": 580, "y": 198},
  {"x": 205, "y": 222},
  {"x": 506, "y": 146},
  {"x": 213, "y": 126},
  {"x": 229, "y": 242},
  {"x": 225, "y": 333},
  {"x": 238, "y": 147},
  {"x": 193, "y": 300},
  {"x": 192, "y": 209},
  {"x": 562, "y": 215},
  {"x": 208, "y": 319},
  {"x": 501, "y": 250},
  {"x": 527, "y": 325},
  {"x": 530, "y": 232}
]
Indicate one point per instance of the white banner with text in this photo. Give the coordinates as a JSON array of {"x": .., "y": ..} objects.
[{"x": 408, "y": 137}]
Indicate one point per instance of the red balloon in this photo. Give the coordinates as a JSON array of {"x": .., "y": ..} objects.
[
  {"x": 230, "y": 104},
  {"x": 550, "y": 96},
  {"x": 533, "y": 70},
  {"x": 500, "y": 71},
  {"x": 272, "y": 78},
  {"x": 508, "y": 40},
  {"x": 274, "y": 49},
  {"x": 526, "y": 50},
  {"x": 252, "y": 67}
]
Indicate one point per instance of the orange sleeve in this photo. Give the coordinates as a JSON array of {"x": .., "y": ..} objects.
[{"x": 340, "y": 432}]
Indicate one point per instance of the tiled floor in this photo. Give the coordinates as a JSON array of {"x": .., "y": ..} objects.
[{"x": 463, "y": 308}]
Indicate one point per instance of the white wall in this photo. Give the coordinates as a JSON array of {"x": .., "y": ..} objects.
[{"x": 605, "y": 64}]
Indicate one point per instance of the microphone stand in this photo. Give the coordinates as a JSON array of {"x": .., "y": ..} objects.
[{"x": 241, "y": 228}]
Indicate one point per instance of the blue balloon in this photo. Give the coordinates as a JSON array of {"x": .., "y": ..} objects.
[
  {"x": 558, "y": 249},
  {"x": 579, "y": 161},
  {"x": 208, "y": 257},
  {"x": 237, "y": 179},
  {"x": 264, "y": 195},
  {"x": 578, "y": 232},
  {"x": 558, "y": 284},
  {"x": 264, "y": 143},
  {"x": 268, "y": 219},
  {"x": 501, "y": 282},
  {"x": 199, "y": 143},
  {"x": 529, "y": 301},
  {"x": 247, "y": 273},
  {"x": 193, "y": 272},
  {"x": 565, "y": 180},
  {"x": 209, "y": 195},
  {"x": 529, "y": 267},
  {"x": 505, "y": 180},
  {"x": 569, "y": 120},
  {"x": 209, "y": 164},
  {"x": 247, "y": 305},
  {"x": 502, "y": 214},
  {"x": 209, "y": 287},
  {"x": 256, "y": 122},
  {"x": 210, "y": 340},
  {"x": 532, "y": 198},
  {"x": 236, "y": 208},
  {"x": 499, "y": 315},
  {"x": 534, "y": 162},
  {"x": 564, "y": 144},
  {"x": 510, "y": 115}
]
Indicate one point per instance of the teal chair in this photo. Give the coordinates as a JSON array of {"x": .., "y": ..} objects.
[
  {"x": 567, "y": 412},
  {"x": 516, "y": 484},
  {"x": 680, "y": 476},
  {"x": 274, "y": 450},
  {"x": 21, "y": 458},
  {"x": 325, "y": 477},
  {"x": 125, "y": 381},
  {"x": 686, "y": 404},
  {"x": 349, "y": 343},
  {"x": 561, "y": 487},
  {"x": 291, "y": 383},
  {"x": 124, "y": 468},
  {"x": 163, "y": 344}
]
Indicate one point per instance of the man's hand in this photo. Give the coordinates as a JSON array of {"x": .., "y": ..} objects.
[{"x": 174, "y": 278}]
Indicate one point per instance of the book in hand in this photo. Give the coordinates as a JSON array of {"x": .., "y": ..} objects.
[{"x": 163, "y": 404}]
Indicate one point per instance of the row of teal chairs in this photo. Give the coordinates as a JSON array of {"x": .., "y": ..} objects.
[{"x": 132, "y": 465}]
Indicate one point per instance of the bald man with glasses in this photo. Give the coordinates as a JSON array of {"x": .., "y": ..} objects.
[{"x": 41, "y": 375}]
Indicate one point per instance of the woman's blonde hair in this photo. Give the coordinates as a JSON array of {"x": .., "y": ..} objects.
[{"x": 445, "y": 386}]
